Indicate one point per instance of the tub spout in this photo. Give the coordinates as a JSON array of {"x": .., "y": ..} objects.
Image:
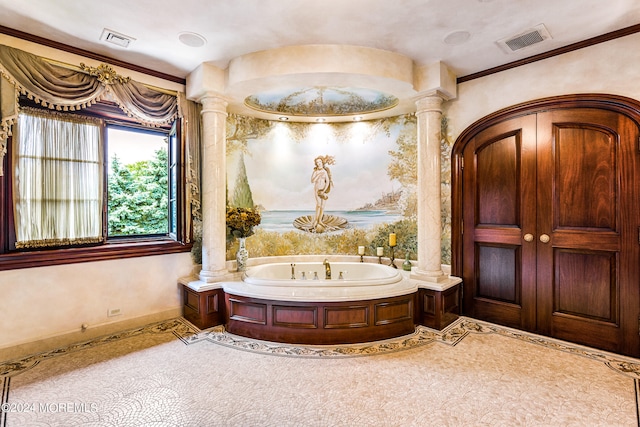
[{"x": 327, "y": 269}]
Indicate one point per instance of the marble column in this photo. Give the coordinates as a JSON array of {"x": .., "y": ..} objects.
[
  {"x": 429, "y": 115},
  {"x": 214, "y": 115}
]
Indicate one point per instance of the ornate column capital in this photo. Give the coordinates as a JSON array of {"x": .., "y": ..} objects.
[
  {"x": 213, "y": 102},
  {"x": 429, "y": 103}
]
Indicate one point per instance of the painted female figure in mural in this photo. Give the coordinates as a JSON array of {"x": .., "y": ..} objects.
[
  {"x": 322, "y": 182},
  {"x": 322, "y": 185}
]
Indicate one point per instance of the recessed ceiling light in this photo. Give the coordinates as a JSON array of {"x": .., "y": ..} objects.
[
  {"x": 192, "y": 39},
  {"x": 357, "y": 118},
  {"x": 283, "y": 118},
  {"x": 457, "y": 37},
  {"x": 320, "y": 120}
]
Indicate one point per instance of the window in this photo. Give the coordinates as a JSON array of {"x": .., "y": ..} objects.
[
  {"x": 137, "y": 183},
  {"x": 57, "y": 180},
  {"x": 89, "y": 186}
]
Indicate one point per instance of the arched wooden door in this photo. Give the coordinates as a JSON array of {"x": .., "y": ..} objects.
[{"x": 546, "y": 220}]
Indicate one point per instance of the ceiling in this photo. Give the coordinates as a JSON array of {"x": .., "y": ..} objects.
[{"x": 462, "y": 34}]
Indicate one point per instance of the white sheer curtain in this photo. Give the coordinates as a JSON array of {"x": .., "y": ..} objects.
[{"x": 58, "y": 179}]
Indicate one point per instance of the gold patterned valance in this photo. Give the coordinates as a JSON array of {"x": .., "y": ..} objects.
[
  {"x": 74, "y": 88},
  {"x": 67, "y": 88},
  {"x": 104, "y": 73}
]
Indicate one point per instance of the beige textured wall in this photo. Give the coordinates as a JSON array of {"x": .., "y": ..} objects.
[
  {"x": 48, "y": 301},
  {"x": 39, "y": 303},
  {"x": 612, "y": 67},
  {"x": 45, "y": 302}
]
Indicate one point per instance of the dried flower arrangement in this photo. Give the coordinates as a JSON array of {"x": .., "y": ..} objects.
[{"x": 241, "y": 221}]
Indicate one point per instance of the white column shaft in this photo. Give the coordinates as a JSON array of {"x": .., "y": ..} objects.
[
  {"x": 214, "y": 178},
  {"x": 429, "y": 115}
]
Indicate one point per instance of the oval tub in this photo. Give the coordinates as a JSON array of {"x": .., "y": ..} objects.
[
  {"x": 371, "y": 302},
  {"x": 359, "y": 281}
]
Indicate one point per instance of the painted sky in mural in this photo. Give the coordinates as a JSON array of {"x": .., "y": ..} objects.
[{"x": 279, "y": 168}]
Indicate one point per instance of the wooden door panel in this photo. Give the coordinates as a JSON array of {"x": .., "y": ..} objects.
[
  {"x": 586, "y": 177},
  {"x": 499, "y": 208},
  {"x": 566, "y": 176},
  {"x": 497, "y": 276},
  {"x": 497, "y": 181},
  {"x": 586, "y": 299},
  {"x": 582, "y": 278},
  {"x": 585, "y": 286}
]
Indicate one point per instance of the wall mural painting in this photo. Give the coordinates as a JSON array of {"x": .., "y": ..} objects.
[
  {"x": 325, "y": 188},
  {"x": 322, "y": 183}
]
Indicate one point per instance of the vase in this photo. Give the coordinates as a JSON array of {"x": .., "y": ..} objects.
[
  {"x": 242, "y": 255},
  {"x": 406, "y": 265}
]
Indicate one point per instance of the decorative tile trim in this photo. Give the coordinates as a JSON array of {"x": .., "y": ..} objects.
[
  {"x": 451, "y": 335},
  {"x": 627, "y": 366},
  {"x": 422, "y": 336},
  {"x": 178, "y": 327}
]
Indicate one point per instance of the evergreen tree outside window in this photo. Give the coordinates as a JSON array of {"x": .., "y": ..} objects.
[{"x": 137, "y": 183}]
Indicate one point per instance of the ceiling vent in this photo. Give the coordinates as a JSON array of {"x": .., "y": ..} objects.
[
  {"x": 527, "y": 38},
  {"x": 118, "y": 39}
]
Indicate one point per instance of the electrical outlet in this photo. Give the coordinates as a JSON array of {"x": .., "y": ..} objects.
[{"x": 114, "y": 312}]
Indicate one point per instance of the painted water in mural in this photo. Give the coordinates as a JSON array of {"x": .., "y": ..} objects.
[
  {"x": 281, "y": 221},
  {"x": 324, "y": 188}
]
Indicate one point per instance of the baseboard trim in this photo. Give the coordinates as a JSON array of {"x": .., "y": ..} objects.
[{"x": 24, "y": 349}]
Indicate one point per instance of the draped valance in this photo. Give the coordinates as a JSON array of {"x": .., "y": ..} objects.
[
  {"x": 68, "y": 88},
  {"x": 65, "y": 87}
]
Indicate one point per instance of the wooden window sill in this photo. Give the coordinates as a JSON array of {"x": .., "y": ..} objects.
[{"x": 111, "y": 250}]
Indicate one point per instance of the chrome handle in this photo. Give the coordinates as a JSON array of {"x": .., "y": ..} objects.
[
  {"x": 544, "y": 238},
  {"x": 528, "y": 237}
]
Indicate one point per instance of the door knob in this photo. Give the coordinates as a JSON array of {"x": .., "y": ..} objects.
[
  {"x": 528, "y": 237},
  {"x": 544, "y": 238}
]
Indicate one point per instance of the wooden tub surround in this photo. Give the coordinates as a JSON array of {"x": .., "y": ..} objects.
[
  {"x": 323, "y": 321},
  {"x": 320, "y": 322}
]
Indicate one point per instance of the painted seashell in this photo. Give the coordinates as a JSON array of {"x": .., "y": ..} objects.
[{"x": 328, "y": 223}]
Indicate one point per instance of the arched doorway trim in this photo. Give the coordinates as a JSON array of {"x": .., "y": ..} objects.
[{"x": 624, "y": 105}]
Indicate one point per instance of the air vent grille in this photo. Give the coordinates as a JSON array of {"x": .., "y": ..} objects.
[
  {"x": 118, "y": 39},
  {"x": 525, "y": 39}
]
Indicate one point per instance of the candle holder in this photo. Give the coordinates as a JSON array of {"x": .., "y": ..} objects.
[
  {"x": 361, "y": 258},
  {"x": 393, "y": 257},
  {"x": 379, "y": 259}
]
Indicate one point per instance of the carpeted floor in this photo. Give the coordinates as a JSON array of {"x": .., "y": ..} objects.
[{"x": 471, "y": 374}]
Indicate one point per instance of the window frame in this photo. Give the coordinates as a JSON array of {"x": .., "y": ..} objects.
[{"x": 110, "y": 249}]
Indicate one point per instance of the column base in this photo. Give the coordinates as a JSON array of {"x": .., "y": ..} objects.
[
  {"x": 438, "y": 309},
  {"x": 208, "y": 276},
  {"x": 435, "y": 276}
]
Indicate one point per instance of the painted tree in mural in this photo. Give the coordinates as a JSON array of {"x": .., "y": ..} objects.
[
  {"x": 242, "y": 197},
  {"x": 403, "y": 166},
  {"x": 240, "y": 129},
  {"x": 137, "y": 196}
]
